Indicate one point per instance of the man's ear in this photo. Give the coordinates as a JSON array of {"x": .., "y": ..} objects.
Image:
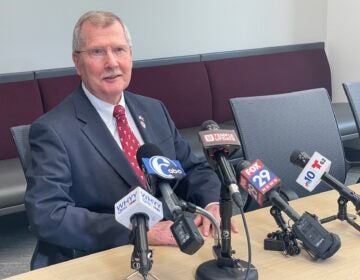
[
  {"x": 131, "y": 55},
  {"x": 76, "y": 58}
]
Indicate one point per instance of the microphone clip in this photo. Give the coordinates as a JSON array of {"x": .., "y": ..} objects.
[
  {"x": 284, "y": 241},
  {"x": 135, "y": 262}
]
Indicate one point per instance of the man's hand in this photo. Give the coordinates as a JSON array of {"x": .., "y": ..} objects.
[
  {"x": 160, "y": 234},
  {"x": 206, "y": 224}
]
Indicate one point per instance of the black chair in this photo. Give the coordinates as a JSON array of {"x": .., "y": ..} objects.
[
  {"x": 272, "y": 127},
  {"x": 20, "y": 135},
  {"x": 352, "y": 91}
]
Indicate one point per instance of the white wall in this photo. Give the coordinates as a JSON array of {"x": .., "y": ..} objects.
[
  {"x": 343, "y": 44},
  {"x": 37, "y": 34}
]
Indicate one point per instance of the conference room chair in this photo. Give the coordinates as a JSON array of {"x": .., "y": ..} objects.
[
  {"x": 271, "y": 127},
  {"x": 352, "y": 91},
  {"x": 20, "y": 135}
]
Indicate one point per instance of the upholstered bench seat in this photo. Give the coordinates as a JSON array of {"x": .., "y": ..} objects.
[{"x": 12, "y": 186}]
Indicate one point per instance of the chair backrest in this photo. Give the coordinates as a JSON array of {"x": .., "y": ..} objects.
[
  {"x": 272, "y": 127},
  {"x": 21, "y": 138},
  {"x": 352, "y": 91}
]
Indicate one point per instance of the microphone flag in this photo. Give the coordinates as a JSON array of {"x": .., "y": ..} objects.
[
  {"x": 163, "y": 167},
  {"x": 257, "y": 180},
  {"x": 311, "y": 175},
  {"x": 138, "y": 201}
]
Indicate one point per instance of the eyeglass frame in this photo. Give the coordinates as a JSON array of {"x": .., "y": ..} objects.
[{"x": 104, "y": 52}]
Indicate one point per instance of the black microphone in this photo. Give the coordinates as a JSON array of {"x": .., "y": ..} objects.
[
  {"x": 141, "y": 258},
  {"x": 139, "y": 211},
  {"x": 301, "y": 159},
  {"x": 258, "y": 180},
  {"x": 218, "y": 144},
  {"x": 159, "y": 171},
  {"x": 262, "y": 185}
]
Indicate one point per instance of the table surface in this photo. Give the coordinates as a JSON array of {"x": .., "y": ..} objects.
[{"x": 170, "y": 263}]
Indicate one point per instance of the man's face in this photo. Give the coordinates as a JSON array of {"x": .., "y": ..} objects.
[{"x": 105, "y": 61}]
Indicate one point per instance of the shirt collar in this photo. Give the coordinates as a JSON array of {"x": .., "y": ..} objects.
[{"x": 105, "y": 109}]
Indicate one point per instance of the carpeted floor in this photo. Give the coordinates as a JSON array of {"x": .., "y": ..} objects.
[{"x": 16, "y": 245}]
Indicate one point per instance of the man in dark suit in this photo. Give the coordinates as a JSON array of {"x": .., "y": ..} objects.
[{"x": 79, "y": 169}]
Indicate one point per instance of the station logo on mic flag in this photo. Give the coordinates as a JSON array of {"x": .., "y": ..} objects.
[
  {"x": 211, "y": 138},
  {"x": 311, "y": 175},
  {"x": 163, "y": 167},
  {"x": 257, "y": 179},
  {"x": 138, "y": 201}
]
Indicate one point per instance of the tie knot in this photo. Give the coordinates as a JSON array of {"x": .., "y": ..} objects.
[{"x": 119, "y": 111}]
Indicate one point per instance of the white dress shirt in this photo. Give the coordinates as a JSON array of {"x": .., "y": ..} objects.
[{"x": 105, "y": 110}]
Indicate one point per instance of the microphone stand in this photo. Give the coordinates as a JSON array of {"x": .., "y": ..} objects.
[
  {"x": 225, "y": 267},
  {"x": 281, "y": 240},
  {"x": 342, "y": 214},
  {"x": 141, "y": 257},
  {"x": 301, "y": 159}
]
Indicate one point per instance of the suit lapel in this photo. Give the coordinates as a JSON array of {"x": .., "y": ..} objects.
[
  {"x": 141, "y": 118},
  {"x": 100, "y": 137}
]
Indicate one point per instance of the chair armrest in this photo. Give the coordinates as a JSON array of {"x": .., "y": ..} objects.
[{"x": 352, "y": 172}]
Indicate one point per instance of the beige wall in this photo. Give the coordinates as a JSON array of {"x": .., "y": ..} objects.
[
  {"x": 36, "y": 34},
  {"x": 343, "y": 44}
]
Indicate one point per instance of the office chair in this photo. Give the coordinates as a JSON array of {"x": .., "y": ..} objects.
[
  {"x": 20, "y": 135},
  {"x": 272, "y": 127},
  {"x": 352, "y": 91}
]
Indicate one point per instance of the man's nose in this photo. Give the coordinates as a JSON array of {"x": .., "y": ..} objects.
[{"x": 110, "y": 58}]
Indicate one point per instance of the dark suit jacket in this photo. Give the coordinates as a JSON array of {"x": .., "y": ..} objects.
[{"x": 78, "y": 172}]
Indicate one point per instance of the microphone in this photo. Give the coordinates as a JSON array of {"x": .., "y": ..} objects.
[
  {"x": 215, "y": 140},
  {"x": 139, "y": 211},
  {"x": 315, "y": 170},
  {"x": 218, "y": 144},
  {"x": 159, "y": 170},
  {"x": 258, "y": 180}
]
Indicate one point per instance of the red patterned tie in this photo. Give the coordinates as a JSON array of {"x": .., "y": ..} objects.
[{"x": 128, "y": 141}]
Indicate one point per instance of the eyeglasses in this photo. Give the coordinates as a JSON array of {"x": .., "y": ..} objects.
[{"x": 100, "y": 53}]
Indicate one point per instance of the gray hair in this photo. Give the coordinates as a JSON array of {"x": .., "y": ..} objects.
[{"x": 100, "y": 19}]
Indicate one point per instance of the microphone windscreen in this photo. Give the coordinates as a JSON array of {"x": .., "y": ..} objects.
[
  {"x": 147, "y": 151},
  {"x": 209, "y": 125},
  {"x": 299, "y": 158},
  {"x": 242, "y": 164}
]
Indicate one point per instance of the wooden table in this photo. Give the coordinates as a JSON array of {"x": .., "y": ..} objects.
[{"x": 170, "y": 263}]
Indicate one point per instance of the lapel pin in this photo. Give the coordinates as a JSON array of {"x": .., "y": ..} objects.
[{"x": 142, "y": 121}]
